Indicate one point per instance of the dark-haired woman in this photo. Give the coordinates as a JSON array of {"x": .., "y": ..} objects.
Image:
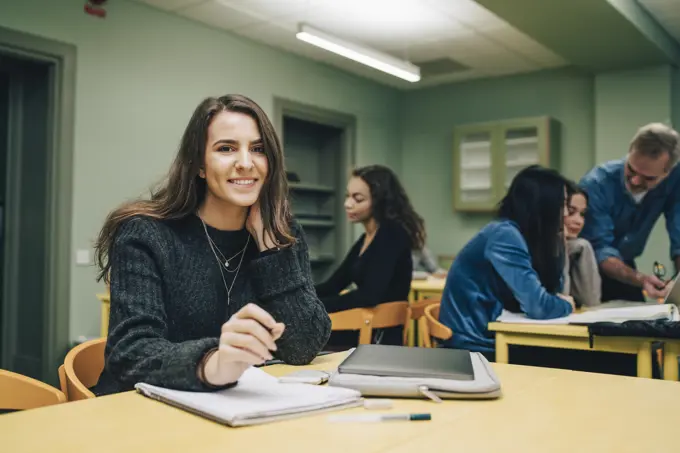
[
  {"x": 379, "y": 266},
  {"x": 513, "y": 263},
  {"x": 210, "y": 275},
  {"x": 581, "y": 275}
]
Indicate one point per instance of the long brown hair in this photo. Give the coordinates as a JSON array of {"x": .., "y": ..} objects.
[
  {"x": 183, "y": 190},
  {"x": 390, "y": 202}
]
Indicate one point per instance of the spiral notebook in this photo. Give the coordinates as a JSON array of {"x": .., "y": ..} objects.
[{"x": 257, "y": 398}]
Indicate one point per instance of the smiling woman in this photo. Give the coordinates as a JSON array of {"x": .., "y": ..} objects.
[{"x": 210, "y": 275}]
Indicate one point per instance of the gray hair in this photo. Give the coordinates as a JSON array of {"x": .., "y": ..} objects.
[{"x": 654, "y": 139}]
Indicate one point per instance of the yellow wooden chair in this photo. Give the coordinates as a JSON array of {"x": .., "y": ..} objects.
[
  {"x": 364, "y": 320},
  {"x": 21, "y": 392},
  {"x": 435, "y": 329},
  {"x": 81, "y": 369},
  {"x": 418, "y": 317}
]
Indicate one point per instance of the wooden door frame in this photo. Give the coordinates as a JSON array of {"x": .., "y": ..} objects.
[
  {"x": 61, "y": 58},
  {"x": 347, "y": 123}
]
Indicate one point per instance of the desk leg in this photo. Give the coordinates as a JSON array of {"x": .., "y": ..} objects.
[
  {"x": 501, "y": 348},
  {"x": 670, "y": 362},
  {"x": 644, "y": 360}
]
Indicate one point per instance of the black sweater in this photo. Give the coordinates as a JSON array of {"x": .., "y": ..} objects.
[
  {"x": 168, "y": 301},
  {"x": 381, "y": 274}
]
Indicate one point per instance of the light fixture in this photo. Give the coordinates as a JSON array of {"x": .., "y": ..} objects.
[{"x": 369, "y": 57}]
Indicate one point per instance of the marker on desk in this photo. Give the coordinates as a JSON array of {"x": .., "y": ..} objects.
[{"x": 368, "y": 418}]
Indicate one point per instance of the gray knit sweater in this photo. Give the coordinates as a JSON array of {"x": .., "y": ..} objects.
[{"x": 168, "y": 301}]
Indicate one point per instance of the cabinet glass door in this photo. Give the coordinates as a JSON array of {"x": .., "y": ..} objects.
[
  {"x": 522, "y": 149},
  {"x": 476, "y": 178}
]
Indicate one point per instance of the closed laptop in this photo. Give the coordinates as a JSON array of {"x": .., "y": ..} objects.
[{"x": 401, "y": 361}]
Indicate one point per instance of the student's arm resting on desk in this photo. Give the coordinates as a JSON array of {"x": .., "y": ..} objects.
[
  {"x": 390, "y": 241},
  {"x": 138, "y": 348},
  {"x": 509, "y": 256},
  {"x": 599, "y": 230},
  {"x": 429, "y": 262},
  {"x": 283, "y": 284}
]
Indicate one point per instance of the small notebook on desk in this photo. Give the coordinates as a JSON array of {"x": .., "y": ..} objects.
[{"x": 257, "y": 398}]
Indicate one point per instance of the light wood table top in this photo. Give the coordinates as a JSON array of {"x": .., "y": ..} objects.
[
  {"x": 430, "y": 284},
  {"x": 564, "y": 330},
  {"x": 542, "y": 410}
]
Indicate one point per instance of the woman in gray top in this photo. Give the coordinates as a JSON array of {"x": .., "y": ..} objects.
[
  {"x": 210, "y": 275},
  {"x": 425, "y": 263},
  {"x": 581, "y": 275}
]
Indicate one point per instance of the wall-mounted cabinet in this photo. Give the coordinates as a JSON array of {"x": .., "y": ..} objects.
[
  {"x": 318, "y": 151},
  {"x": 487, "y": 156}
]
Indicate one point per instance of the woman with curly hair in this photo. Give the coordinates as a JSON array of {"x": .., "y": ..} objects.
[{"x": 379, "y": 265}]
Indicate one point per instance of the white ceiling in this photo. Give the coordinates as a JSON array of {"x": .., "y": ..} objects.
[
  {"x": 416, "y": 30},
  {"x": 667, "y": 13}
]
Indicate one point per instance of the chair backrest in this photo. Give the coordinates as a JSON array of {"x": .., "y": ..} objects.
[
  {"x": 435, "y": 328},
  {"x": 390, "y": 314},
  {"x": 418, "y": 307},
  {"x": 21, "y": 392},
  {"x": 354, "y": 319},
  {"x": 418, "y": 315},
  {"x": 82, "y": 367}
]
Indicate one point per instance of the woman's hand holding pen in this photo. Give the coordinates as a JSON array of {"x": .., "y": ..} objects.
[{"x": 248, "y": 338}]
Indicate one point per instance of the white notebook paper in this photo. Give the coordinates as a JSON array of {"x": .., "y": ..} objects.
[
  {"x": 257, "y": 398},
  {"x": 614, "y": 312}
]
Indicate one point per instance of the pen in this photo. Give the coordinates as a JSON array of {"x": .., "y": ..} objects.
[{"x": 368, "y": 418}]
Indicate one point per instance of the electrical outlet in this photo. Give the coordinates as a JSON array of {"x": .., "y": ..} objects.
[{"x": 82, "y": 257}]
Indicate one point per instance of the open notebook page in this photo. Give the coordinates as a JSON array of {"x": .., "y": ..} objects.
[
  {"x": 257, "y": 398},
  {"x": 603, "y": 313}
]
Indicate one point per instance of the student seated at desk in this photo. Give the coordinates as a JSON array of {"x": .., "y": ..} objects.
[
  {"x": 210, "y": 275},
  {"x": 379, "y": 264},
  {"x": 513, "y": 263},
  {"x": 581, "y": 276},
  {"x": 425, "y": 264}
]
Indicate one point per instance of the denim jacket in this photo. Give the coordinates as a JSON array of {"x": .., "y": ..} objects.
[{"x": 615, "y": 224}]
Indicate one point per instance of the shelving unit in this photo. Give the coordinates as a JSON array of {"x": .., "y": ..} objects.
[
  {"x": 487, "y": 156},
  {"x": 318, "y": 150}
]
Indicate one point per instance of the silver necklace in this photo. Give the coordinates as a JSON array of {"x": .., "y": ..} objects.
[
  {"x": 224, "y": 261},
  {"x": 219, "y": 263}
]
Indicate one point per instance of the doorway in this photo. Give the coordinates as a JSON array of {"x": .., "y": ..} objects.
[
  {"x": 319, "y": 156},
  {"x": 36, "y": 112}
]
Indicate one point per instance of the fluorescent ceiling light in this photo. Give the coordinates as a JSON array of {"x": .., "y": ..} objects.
[{"x": 369, "y": 57}]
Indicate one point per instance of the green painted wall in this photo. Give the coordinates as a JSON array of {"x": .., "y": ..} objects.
[
  {"x": 427, "y": 121},
  {"x": 624, "y": 101},
  {"x": 136, "y": 90},
  {"x": 675, "y": 98},
  {"x": 140, "y": 73}
]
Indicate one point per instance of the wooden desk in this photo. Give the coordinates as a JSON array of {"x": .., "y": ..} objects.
[
  {"x": 431, "y": 287},
  {"x": 671, "y": 353},
  {"x": 541, "y": 410},
  {"x": 576, "y": 337}
]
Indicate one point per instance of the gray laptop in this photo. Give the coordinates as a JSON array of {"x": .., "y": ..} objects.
[{"x": 402, "y": 361}]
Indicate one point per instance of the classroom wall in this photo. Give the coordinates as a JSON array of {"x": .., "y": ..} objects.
[
  {"x": 624, "y": 101},
  {"x": 675, "y": 98},
  {"x": 598, "y": 114},
  {"x": 140, "y": 73},
  {"x": 429, "y": 116}
]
